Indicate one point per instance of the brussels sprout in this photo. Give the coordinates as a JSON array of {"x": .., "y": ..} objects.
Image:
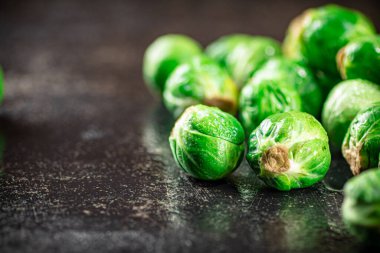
[
  {"x": 242, "y": 54},
  {"x": 207, "y": 143},
  {"x": 361, "y": 146},
  {"x": 248, "y": 56},
  {"x": 361, "y": 205},
  {"x": 222, "y": 47},
  {"x": 200, "y": 81},
  {"x": 316, "y": 36},
  {"x": 360, "y": 59},
  {"x": 296, "y": 75},
  {"x": 164, "y": 55},
  {"x": 343, "y": 103},
  {"x": 263, "y": 97},
  {"x": 289, "y": 150}
]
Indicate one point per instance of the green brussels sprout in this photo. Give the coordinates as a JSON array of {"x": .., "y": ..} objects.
[
  {"x": 222, "y": 47},
  {"x": 164, "y": 55},
  {"x": 360, "y": 59},
  {"x": 200, "y": 81},
  {"x": 289, "y": 150},
  {"x": 317, "y": 35},
  {"x": 242, "y": 54},
  {"x": 296, "y": 75},
  {"x": 261, "y": 98},
  {"x": 207, "y": 143},
  {"x": 361, "y": 145},
  {"x": 248, "y": 56},
  {"x": 361, "y": 205},
  {"x": 343, "y": 103}
]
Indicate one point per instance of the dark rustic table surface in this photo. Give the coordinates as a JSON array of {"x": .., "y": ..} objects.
[{"x": 85, "y": 162}]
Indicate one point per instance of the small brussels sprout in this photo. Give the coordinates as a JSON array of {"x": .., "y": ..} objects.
[
  {"x": 222, "y": 47},
  {"x": 361, "y": 205},
  {"x": 360, "y": 59},
  {"x": 361, "y": 145},
  {"x": 289, "y": 150},
  {"x": 261, "y": 98},
  {"x": 343, "y": 103},
  {"x": 297, "y": 75},
  {"x": 248, "y": 56},
  {"x": 164, "y": 55},
  {"x": 200, "y": 81},
  {"x": 242, "y": 54},
  {"x": 317, "y": 35},
  {"x": 207, "y": 143}
]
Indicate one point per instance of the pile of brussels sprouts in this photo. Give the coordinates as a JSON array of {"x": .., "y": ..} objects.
[{"x": 242, "y": 86}]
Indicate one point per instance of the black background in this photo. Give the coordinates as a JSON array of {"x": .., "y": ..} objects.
[{"x": 86, "y": 165}]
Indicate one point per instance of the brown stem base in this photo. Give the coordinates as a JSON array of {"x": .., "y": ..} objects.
[{"x": 276, "y": 159}]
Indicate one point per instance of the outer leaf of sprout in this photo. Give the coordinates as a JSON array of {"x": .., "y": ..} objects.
[
  {"x": 293, "y": 74},
  {"x": 262, "y": 98}
]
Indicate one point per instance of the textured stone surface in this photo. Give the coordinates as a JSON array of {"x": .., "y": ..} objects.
[{"x": 86, "y": 165}]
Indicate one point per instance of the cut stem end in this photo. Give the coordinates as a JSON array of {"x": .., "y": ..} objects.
[
  {"x": 354, "y": 159},
  {"x": 276, "y": 159}
]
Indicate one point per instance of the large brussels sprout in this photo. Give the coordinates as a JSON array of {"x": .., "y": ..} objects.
[
  {"x": 361, "y": 145},
  {"x": 317, "y": 35},
  {"x": 343, "y": 103},
  {"x": 294, "y": 74},
  {"x": 207, "y": 143},
  {"x": 261, "y": 98},
  {"x": 361, "y": 205},
  {"x": 360, "y": 59},
  {"x": 200, "y": 81},
  {"x": 289, "y": 150},
  {"x": 222, "y": 47},
  {"x": 164, "y": 55}
]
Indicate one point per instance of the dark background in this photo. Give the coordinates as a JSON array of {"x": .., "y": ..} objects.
[{"x": 85, "y": 162}]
